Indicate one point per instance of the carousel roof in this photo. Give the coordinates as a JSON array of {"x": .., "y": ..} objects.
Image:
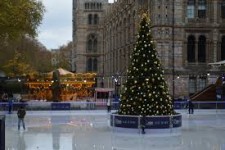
[{"x": 62, "y": 72}]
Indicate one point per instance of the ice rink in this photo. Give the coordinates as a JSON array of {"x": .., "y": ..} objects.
[{"x": 90, "y": 130}]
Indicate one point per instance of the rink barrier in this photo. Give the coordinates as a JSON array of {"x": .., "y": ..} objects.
[
  {"x": 151, "y": 122},
  {"x": 60, "y": 106},
  {"x": 200, "y": 104},
  {"x": 92, "y": 105},
  {"x": 15, "y": 105}
]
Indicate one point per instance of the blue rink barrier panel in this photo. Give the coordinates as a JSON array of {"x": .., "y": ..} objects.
[
  {"x": 60, "y": 106},
  {"x": 151, "y": 122}
]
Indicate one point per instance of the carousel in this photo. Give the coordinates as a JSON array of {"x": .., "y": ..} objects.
[{"x": 70, "y": 86}]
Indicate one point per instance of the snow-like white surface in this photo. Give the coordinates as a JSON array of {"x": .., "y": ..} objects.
[{"x": 90, "y": 130}]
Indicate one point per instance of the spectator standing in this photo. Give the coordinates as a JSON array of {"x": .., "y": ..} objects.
[
  {"x": 10, "y": 102},
  {"x": 109, "y": 105}
]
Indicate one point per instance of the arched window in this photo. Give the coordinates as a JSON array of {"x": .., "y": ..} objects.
[
  {"x": 92, "y": 5},
  {"x": 89, "y": 45},
  {"x": 223, "y": 9},
  {"x": 95, "y": 64},
  {"x": 191, "y": 49},
  {"x": 190, "y": 9},
  {"x": 86, "y": 5},
  {"x": 223, "y": 48},
  {"x": 201, "y": 49},
  {"x": 95, "y": 19},
  {"x": 92, "y": 43},
  {"x": 201, "y": 8},
  {"x": 92, "y": 65},
  {"x": 97, "y": 5},
  {"x": 89, "y": 64},
  {"x": 95, "y": 45},
  {"x": 90, "y": 19}
]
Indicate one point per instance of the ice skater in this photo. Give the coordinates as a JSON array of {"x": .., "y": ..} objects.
[
  {"x": 21, "y": 113},
  {"x": 143, "y": 123},
  {"x": 190, "y": 107}
]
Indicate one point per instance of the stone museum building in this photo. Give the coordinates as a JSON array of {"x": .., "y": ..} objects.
[{"x": 189, "y": 34}]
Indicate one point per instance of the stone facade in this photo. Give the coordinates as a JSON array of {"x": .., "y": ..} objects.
[
  {"x": 87, "y": 35},
  {"x": 186, "y": 41}
]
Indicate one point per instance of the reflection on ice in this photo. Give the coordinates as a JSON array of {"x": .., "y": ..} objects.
[
  {"x": 144, "y": 142},
  {"x": 76, "y": 130}
]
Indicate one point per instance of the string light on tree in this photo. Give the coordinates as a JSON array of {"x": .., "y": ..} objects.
[{"x": 145, "y": 91}]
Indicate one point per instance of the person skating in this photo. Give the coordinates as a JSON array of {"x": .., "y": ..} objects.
[
  {"x": 143, "y": 123},
  {"x": 21, "y": 113},
  {"x": 190, "y": 107}
]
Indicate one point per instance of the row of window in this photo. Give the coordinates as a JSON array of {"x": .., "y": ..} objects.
[
  {"x": 191, "y": 49},
  {"x": 193, "y": 55},
  {"x": 201, "y": 6},
  {"x": 201, "y": 49},
  {"x": 93, "y": 6}
]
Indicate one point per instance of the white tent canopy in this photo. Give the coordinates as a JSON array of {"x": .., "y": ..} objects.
[
  {"x": 62, "y": 71},
  {"x": 219, "y": 63}
]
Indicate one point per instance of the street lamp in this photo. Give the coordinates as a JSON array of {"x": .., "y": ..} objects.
[
  {"x": 20, "y": 85},
  {"x": 117, "y": 85},
  {"x": 173, "y": 47}
]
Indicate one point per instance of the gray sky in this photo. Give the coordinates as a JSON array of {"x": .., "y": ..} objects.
[{"x": 56, "y": 27}]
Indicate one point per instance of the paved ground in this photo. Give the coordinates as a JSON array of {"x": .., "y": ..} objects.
[{"x": 89, "y": 130}]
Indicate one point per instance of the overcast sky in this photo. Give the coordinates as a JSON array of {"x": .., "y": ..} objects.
[{"x": 56, "y": 27}]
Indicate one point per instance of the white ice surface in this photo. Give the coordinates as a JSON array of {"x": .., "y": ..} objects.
[{"x": 90, "y": 130}]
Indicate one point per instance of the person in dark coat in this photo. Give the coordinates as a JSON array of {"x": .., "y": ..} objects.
[
  {"x": 190, "y": 107},
  {"x": 108, "y": 105},
  {"x": 143, "y": 122},
  {"x": 21, "y": 114}
]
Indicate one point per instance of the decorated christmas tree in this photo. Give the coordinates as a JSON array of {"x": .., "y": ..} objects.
[{"x": 145, "y": 91}]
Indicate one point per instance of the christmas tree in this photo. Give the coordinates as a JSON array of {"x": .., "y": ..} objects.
[{"x": 145, "y": 91}]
